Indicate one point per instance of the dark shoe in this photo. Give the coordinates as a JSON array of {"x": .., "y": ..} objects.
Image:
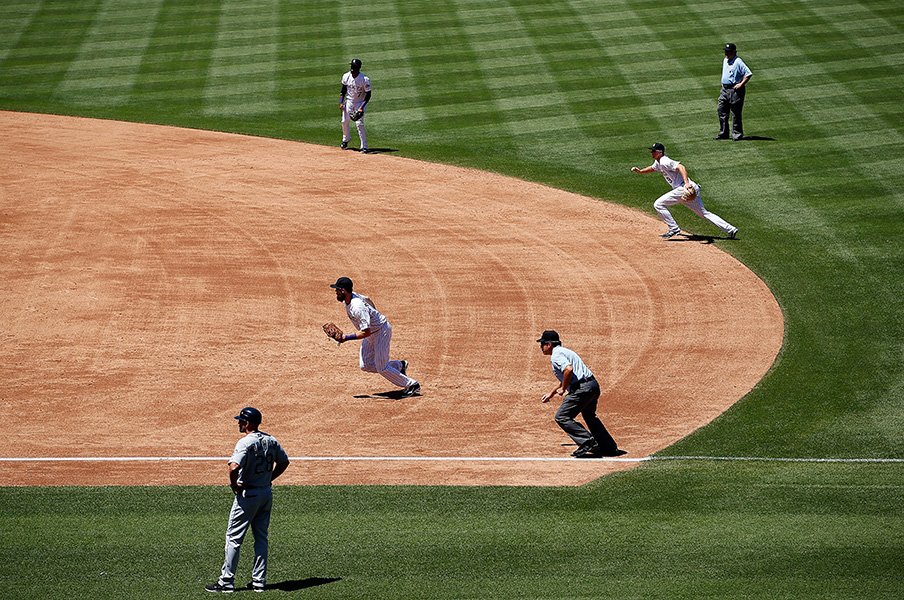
[
  {"x": 737, "y": 138},
  {"x": 670, "y": 233},
  {"x": 365, "y": 151},
  {"x": 404, "y": 369},
  {"x": 616, "y": 453},
  {"x": 255, "y": 586},
  {"x": 412, "y": 390},
  {"x": 344, "y": 145},
  {"x": 217, "y": 587},
  {"x": 585, "y": 447},
  {"x": 590, "y": 453}
]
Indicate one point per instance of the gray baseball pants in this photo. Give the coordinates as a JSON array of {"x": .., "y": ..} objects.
[
  {"x": 251, "y": 509},
  {"x": 582, "y": 400}
]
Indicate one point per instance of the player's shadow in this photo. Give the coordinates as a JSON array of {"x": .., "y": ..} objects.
[
  {"x": 693, "y": 237},
  {"x": 390, "y": 395},
  {"x": 381, "y": 150},
  {"x": 756, "y": 138},
  {"x": 301, "y": 584}
]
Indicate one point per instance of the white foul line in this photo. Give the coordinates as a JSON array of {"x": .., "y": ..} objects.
[{"x": 452, "y": 459}]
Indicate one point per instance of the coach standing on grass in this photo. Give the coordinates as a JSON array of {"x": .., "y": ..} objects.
[
  {"x": 257, "y": 460},
  {"x": 735, "y": 76}
]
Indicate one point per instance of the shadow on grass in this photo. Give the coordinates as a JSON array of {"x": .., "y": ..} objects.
[
  {"x": 301, "y": 584},
  {"x": 381, "y": 150},
  {"x": 693, "y": 237}
]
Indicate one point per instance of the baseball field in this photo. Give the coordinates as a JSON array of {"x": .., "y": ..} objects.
[{"x": 757, "y": 382}]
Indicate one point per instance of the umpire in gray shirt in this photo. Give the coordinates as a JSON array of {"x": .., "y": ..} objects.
[{"x": 581, "y": 392}]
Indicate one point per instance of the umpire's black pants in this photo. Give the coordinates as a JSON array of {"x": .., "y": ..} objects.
[
  {"x": 582, "y": 400},
  {"x": 731, "y": 101}
]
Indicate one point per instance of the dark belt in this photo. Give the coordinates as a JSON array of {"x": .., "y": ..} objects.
[
  {"x": 586, "y": 380},
  {"x": 728, "y": 86}
]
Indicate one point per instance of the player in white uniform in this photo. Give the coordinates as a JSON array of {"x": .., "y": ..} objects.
[
  {"x": 354, "y": 96},
  {"x": 676, "y": 176},
  {"x": 375, "y": 333},
  {"x": 257, "y": 460}
]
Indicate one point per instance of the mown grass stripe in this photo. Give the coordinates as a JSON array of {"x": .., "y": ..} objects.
[
  {"x": 16, "y": 20},
  {"x": 241, "y": 74},
  {"x": 104, "y": 54}
]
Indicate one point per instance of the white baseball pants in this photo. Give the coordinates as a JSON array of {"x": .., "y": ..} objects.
[
  {"x": 374, "y": 357},
  {"x": 359, "y": 124},
  {"x": 696, "y": 205}
]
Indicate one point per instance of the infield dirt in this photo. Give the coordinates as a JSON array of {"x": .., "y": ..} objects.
[{"x": 155, "y": 280}]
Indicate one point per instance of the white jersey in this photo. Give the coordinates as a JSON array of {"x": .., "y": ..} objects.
[
  {"x": 669, "y": 170},
  {"x": 363, "y": 314},
  {"x": 356, "y": 89},
  {"x": 255, "y": 454}
]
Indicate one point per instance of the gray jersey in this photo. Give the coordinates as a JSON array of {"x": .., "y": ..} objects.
[{"x": 256, "y": 453}]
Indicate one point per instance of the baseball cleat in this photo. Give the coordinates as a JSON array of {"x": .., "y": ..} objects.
[
  {"x": 404, "y": 369},
  {"x": 255, "y": 586},
  {"x": 616, "y": 453},
  {"x": 670, "y": 233},
  {"x": 592, "y": 452},
  {"x": 365, "y": 151},
  {"x": 585, "y": 446},
  {"x": 343, "y": 145},
  {"x": 412, "y": 390},
  {"x": 218, "y": 587},
  {"x": 733, "y": 234}
]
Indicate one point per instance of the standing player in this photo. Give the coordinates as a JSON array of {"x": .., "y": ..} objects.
[
  {"x": 376, "y": 333},
  {"x": 257, "y": 460},
  {"x": 353, "y": 98},
  {"x": 735, "y": 75},
  {"x": 683, "y": 190},
  {"x": 582, "y": 395}
]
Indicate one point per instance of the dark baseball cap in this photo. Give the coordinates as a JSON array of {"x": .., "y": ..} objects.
[
  {"x": 343, "y": 283},
  {"x": 355, "y": 63},
  {"x": 549, "y": 336},
  {"x": 250, "y": 414},
  {"x": 729, "y": 47},
  {"x": 657, "y": 146}
]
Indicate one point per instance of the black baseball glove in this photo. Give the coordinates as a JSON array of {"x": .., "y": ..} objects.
[{"x": 357, "y": 115}]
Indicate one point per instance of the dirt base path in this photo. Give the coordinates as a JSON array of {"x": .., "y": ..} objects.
[{"x": 155, "y": 280}]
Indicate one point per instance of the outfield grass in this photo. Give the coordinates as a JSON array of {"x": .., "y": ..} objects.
[{"x": 570, "y": 94}]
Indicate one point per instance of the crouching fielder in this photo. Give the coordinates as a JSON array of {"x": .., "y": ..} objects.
[
  {"x": 375, "y": 333},
  {"x": 684, "y": 191}
]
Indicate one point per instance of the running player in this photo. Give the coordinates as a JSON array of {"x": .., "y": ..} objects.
[
  {"x": 676, "y": 176},
  {"x": 376, "y": 333}
]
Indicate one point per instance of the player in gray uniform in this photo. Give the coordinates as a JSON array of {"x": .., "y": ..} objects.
[
  {"x": 582, "y": 395},
  {"x": 375, "y": 333},
  {"x": 257, "y": 460}
]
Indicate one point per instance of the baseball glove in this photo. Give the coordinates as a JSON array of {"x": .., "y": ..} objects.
[
  {"x": 690, "y": 191},
  {"x": 357, "y": 115},
  {"x": 333, "y": 332}
]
